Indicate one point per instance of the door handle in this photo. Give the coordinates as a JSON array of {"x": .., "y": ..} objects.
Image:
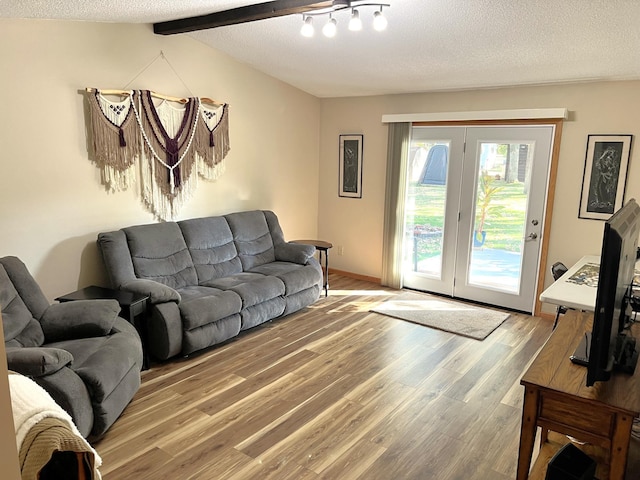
[{"x": 531, "y": 236}]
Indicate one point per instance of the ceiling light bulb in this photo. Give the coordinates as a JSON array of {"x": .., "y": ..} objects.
[
  {"x": 307, "y": 27},
  {"x": 379, "y": 21},
  {"x": 355, "y": 24},
  {"x": 330, "y": 29}
]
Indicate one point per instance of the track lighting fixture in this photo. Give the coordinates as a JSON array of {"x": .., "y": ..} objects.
[{"x": 330, "y": 29}]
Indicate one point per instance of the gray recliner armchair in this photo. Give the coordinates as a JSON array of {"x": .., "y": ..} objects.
[{"x": 82, "y": 353}]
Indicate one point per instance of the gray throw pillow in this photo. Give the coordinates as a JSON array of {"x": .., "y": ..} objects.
[{"x": 79, "y": 319}]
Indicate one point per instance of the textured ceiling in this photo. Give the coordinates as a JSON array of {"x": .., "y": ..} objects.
[{"x": 430, "y": 45}]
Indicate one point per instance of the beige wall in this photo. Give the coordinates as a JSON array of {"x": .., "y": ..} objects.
[
  {"x": 53, "y": 204},
  {"x": 356, "y": 224}
]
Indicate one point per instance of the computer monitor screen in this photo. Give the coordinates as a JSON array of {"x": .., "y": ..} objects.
[{"x": 610, "y": 348}]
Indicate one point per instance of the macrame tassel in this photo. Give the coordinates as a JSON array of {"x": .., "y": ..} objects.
[
  {"x": 221, "y": 134},
  {"x": 212, "y": 144},
  {"x": 112, "y": 153},
  {"x": 172, "y": 160}
]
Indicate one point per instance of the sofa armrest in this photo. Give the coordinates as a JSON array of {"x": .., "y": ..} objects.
[
  {"x": 37, "y": 361},
  {"x": 287, "y": 251},
  {"x": 79, "y": 319},
  {"x": 158, "y": 292},
  {"x": 294, "y": 252}
]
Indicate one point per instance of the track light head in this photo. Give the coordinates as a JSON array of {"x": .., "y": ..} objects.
[
  {"x": 379, "y": 21},
  {"x": 307, "y": 27},
  {"x": 355, "y": 24},
  {"x": 330, "y": 28}
]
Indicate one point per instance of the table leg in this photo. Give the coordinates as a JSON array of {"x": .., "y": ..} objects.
[
  {"x": 326, "y": 273},
  {"x": 527, "y": 431},
  {"x": 620, "y": 446}
]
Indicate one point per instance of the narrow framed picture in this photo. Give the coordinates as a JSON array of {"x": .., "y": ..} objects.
[
  {"x": 605, "y": 175},
  {"x": 350, "y": 166}
]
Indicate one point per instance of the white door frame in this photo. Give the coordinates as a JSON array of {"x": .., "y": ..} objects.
[{"x": 552, "y": 117}]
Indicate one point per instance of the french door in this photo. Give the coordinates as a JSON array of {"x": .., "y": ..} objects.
[{"x": 474, "y": 212}]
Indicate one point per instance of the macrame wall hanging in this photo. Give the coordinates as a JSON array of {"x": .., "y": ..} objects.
[{"x": 164, "y": 143}]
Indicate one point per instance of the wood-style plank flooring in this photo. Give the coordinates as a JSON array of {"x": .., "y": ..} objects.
[{"x": 332, "y": 392}]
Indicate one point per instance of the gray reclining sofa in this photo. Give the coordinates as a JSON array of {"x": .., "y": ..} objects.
[{"x": 209, "y": 278}]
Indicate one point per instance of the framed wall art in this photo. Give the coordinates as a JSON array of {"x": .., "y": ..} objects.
[
  {"x": 350, "y": 177},
  {"x": 605, "y": 175}
]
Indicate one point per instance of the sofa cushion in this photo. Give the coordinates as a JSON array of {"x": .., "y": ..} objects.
[
  {"x": 91, "y": 355},
  {"x": 159, "y": 252},
  {"x": 294, "y": 276},
  {"x": 225, "y": 283},
  {"x": 252, "y": 237},
  {"x": 200, "y": 311},
  {"x": 20, "y": 328},
  {"x": 212, "y": 248},
  {"x": 195, "y": 291},
  {"x": 259, "y": 290},
  {"x": 253, "y": 288}
]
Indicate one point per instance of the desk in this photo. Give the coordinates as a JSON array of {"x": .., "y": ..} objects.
[
  {"x": 557, "y": 399},
  {"x": 570, "y": 291},
  {"x": 322, "y": 247}
]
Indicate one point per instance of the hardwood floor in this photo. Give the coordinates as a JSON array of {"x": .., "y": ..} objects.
[{"x": 332, "y": 392}]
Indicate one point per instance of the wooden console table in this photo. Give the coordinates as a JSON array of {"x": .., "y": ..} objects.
[{"x": 557, "y": 399}]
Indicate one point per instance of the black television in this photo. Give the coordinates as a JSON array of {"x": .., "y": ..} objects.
[{"x": 610, "y": 348}]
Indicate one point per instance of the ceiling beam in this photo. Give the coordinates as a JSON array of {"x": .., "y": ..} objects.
[{"x": 248, "y": 13}]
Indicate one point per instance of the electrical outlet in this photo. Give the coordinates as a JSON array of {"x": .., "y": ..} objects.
[{"x": 340, "y": 250}]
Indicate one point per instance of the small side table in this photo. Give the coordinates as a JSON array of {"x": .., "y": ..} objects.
[
  {"x": 133, "y": 308},
  {"x": 322, "y": 247}
]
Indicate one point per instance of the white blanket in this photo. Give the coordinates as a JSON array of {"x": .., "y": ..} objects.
[{"x": 31, "y": 404}]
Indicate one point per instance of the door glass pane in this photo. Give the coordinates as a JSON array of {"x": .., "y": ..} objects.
[
  {"x": 501, "y": 202},
  {"x": 425, "y": 206}
]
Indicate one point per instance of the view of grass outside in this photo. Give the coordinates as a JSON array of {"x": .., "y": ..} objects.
[{"x": 504, "y": 223}]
